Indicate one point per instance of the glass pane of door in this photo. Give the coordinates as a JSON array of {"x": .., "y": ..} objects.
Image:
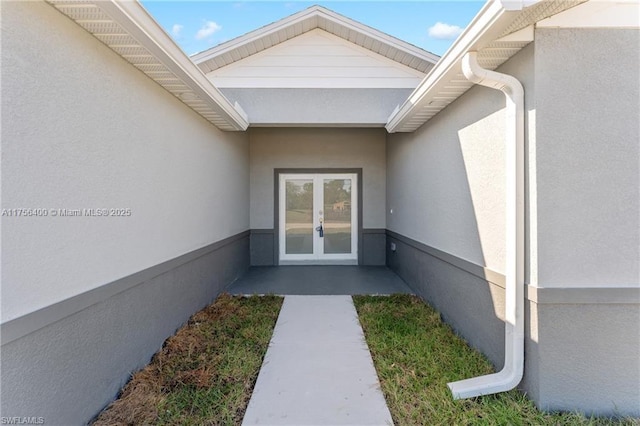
[
  {"x": 299, "y": 216},
  {"x": 337, "y": 216}
]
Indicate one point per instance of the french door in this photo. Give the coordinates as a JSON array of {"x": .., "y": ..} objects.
[{"x": 318, "y": 219}]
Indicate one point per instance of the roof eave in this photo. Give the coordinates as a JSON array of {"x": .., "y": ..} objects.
[
  {"x": 204, "y": 98},
  {"x": 500, "y": 30},
  {"x": 135, "y": 18},
  {"x": 487, "y": 25}
]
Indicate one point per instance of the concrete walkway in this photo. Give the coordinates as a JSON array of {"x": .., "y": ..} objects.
[{"x": 318, "y": 369}]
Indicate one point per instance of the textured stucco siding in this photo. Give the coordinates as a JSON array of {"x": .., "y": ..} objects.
[
  {"x": 82, "y": 128},
  {"x": 582, "y": 216},
  {"x": 317, "y": 148},
  {"x": 585, "y": 357},
  {"x": 446, "y": 193},
  {"x": 585, "y": 238},
  {"x": 87, "y": 300},
  {"x": 468, "y": 301},
  {"x": 587, "y": 157},
  {"x": 445, "y": 182},
  {"x": 350, "y": 107},
  {"x": 67, "y": 371}
]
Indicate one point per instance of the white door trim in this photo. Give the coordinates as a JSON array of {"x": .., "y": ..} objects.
[{"x": 318, "y": 257}]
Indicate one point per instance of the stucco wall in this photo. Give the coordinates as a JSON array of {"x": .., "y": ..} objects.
[
  {"x": 584, "y": 344},
  {"x": 317, "y": 148},
  {"x": 585, "y": 357},
  {"x": 82, "y": 128},
  {"x": 68, "y": 370},
  {"x": 445, "y": 198},
  {"x": 321, "y": 106},
  {"x": 587, "y": 157},
  {"x": 445, "y": 181},
  {"x": 582, "y": 216}
]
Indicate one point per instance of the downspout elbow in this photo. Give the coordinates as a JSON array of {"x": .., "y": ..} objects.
[
  {"x": 512, "y": 372},
  {"x": 508, "y": 84}
]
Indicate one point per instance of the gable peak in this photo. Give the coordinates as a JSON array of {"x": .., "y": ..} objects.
[{"x": 304, "y": 21}]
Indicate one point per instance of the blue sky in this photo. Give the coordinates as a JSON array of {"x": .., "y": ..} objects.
[{"x": 199, "y": 25}]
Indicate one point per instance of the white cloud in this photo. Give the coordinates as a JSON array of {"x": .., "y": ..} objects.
[
  {"x": 444, "y": 31},
  {"x": 176, "y": 29},
  {"x": 208, "y": 29}
]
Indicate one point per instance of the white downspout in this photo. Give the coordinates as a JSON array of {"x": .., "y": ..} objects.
[{"x": 511, "y": 374}]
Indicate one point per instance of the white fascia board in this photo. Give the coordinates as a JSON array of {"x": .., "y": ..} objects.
[
  {"x": 517, "y": 4},
  {"x": 318, "y": 12},
  {"x": 134, "y": 18},
  {"x": 487, "y": 26},
  {"x": 380, "y": 36},
  {"x": 254, "y": 35}
]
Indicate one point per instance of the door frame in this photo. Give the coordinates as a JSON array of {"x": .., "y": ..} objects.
[
  {"x": 276, "y": 204},
  {"x": 318, "y": 256}
]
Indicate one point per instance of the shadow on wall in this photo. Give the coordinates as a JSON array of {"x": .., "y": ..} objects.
[{"x": 452, "y": 253}]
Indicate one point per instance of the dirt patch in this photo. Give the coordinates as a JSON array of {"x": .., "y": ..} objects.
[{"x": 205, "y": 373}]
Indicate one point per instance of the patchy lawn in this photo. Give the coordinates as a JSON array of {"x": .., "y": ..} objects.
[
  {"x": 416, "y": 354},
  {"x": 205, "y": 373}
]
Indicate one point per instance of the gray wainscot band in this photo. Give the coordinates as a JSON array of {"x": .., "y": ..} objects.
[
  {"x": 19, "y": 327},
  {"x": 622, "y": 294},
  {"x": 472, "y": 268},
  {"x": 263, "y": 247}
]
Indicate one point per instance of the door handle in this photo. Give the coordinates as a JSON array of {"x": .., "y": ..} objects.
[{"x": 320, "y": 230}]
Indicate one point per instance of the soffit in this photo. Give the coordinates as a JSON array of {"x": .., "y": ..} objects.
[
  {"x": 307, "y": 20},
  {"x": 127, "y": 29},
  {"x": 502, "y": 39}
]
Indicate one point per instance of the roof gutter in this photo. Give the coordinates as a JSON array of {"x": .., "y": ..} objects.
[
  {"x": 511, "y": 374},
  {"x": 487, "y": 26}
]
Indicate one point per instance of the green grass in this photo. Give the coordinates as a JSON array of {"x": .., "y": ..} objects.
[
  {"x": 416, "y": 354},
  {"x": 205, "y": 373}
]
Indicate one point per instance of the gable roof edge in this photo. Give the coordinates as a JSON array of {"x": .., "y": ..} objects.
[
  {"x": 249, "y": 37},
  {"x": 308, "y": 17}
]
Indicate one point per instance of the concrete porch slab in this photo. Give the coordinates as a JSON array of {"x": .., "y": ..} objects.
[
  {"x": 319, "y": 280},
  {"x": 318, "y": 369}
]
